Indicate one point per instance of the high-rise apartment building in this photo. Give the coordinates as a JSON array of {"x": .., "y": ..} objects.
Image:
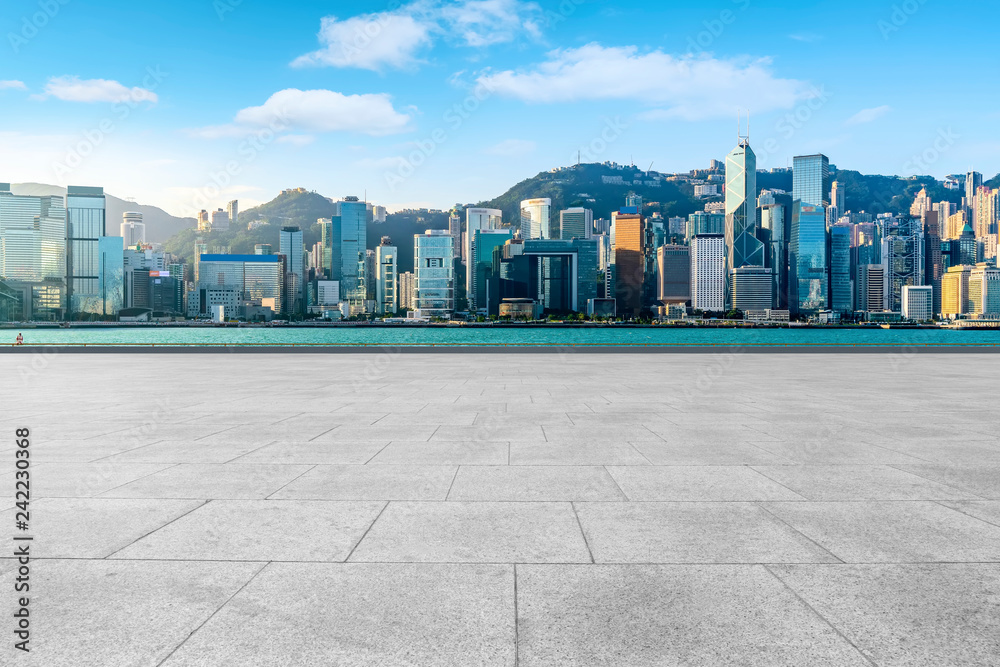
[
  {"x": 406, "y": 281},
  {"x": 674, "y": 270},
  {"x": 743, "y": 248},
  {"x": 708, "y": 272},
  {"x": 220, "y": 221},
  {"x": 387, "y": 268},
  {"x": 576, "y": 223},
  {"x": 204, "y": 221},
  {"x": 434, "y": 273},
  {"x": 233, "y": 211},
  {"x": 811, "y": 180},
  {"x": 536, "y": 219}
]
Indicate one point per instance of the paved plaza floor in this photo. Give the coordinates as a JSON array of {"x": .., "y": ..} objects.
[{"x": 458, "y": 509}]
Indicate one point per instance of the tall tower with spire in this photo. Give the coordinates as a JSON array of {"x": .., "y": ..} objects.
[{"x": 743, "y": 248}]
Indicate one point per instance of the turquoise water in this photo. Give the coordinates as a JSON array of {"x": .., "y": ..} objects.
[{"x": 519, "y": 337}]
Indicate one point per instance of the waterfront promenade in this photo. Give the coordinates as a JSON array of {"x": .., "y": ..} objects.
[{"x": 465, "y": 510}]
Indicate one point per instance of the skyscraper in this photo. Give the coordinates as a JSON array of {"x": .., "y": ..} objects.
[
  {"x": 352, "y": 242},
  {"x": 629, "y": 250},
  {"x": 674, "y": 268},
  {"x": 973, "y": 181},
  {"x": 838, "y": 197},
  {"x": 576, "y": 223},
  {"x": 752, "y": 288},
  {"x": 841, "y": 294},
  {"x": 811, "y": 180},
  {"x": 85, "y": 225},
  {"x": 808, "y": 261},
  {"x": 871, "y": 288},
  {"x": 233, "y": 210},
  {"x": 484, "y": 294},
  {"x": 291, "y": 246},
  {"x": 386, "y": 257},
  {"x": 903, "y": 258},
  {"x": 434, "y": 279},
  {"x": 133, "y": 230},
  {"x": 775, "y": 221},
  {"x": 955, "y": 291},
  {"x": 708, "y": 272},
  {"x": 220, "y": 221},
  {"x": 476, "y": 219},
  {"x": 743, "y": 248},
  {"x": 110, "y": 277},
  {"x": 536, "y": 219}
]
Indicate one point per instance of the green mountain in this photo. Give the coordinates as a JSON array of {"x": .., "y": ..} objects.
[
  {"x": 587, "y": 185},
  {"x": 994, "y": 182}
]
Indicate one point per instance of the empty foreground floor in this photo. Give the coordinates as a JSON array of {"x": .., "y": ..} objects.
[{"x": 466, "y": 510}]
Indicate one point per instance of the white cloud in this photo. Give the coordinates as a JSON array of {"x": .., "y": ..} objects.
[
  {"x": 12, "y": 85},
  {"x": 512, "y": 148},
  {"x": 394, "y": 39},
  {"x": 868, "y": 115},
  {"x": 75, "y": 89},
  {"x": 294, "y": 114},
  {"x": 370, "y": 41},
  {"x": 806, "y": 37},
  {"x": 484, "y": 22},
  {"x": 328, "y": 111},
  {"x": 297, "y": 139},
  {"x": 688, "y": 87}
]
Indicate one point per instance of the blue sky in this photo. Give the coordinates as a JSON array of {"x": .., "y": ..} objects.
[{"x": 186, "y": 104}]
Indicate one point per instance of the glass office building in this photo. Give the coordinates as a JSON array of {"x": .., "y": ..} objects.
[
  {"x": 562, "y": 274},
  {"x": 743, "y": 248},
  {"x": 811, "y": 180},
  {"x": 290, "y": 245},
  {"x": 434, "y": 267},
  {"x": 841, "y": 293},
  {"x": 774, "y": 232},
  {"x": 808, "y": 260},
  {"x": 576, "y": 223},
  {"x": 536, "y": 219},
  {"x": 484, "y": 293},
  {"x": 110, "y": 277},
  {"x": 85, "y": 225},
  {"x": 242, "y": 280},
  {"x": 345, "y": 239},
  {"x": 702, "y": 223}
]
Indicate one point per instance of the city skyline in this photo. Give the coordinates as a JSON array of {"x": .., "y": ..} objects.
[{"x": 643, "y": 84}]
